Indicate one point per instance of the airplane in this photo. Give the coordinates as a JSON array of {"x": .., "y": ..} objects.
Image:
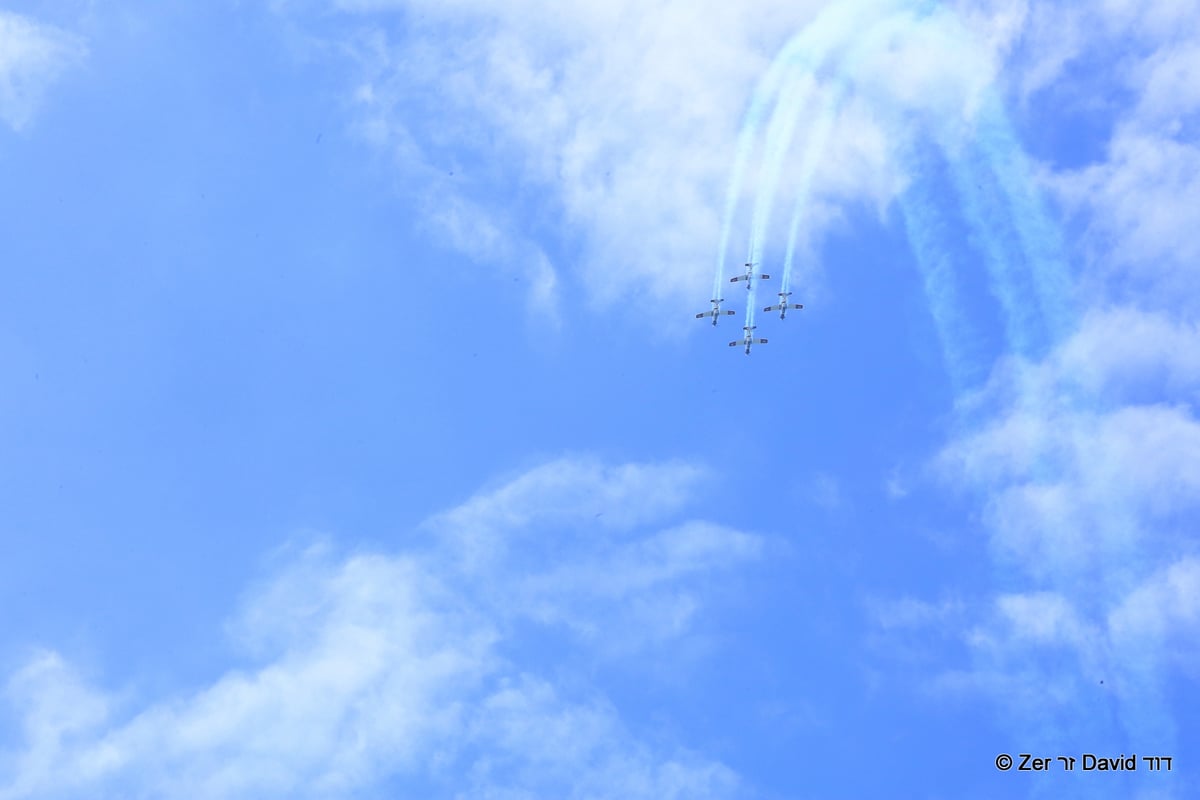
[
  {"x": 748, "y": 339},
  {"x": 749, "y": 276},
  {"x": 716, "y": 311},
  {"x": 783, "y": 305}
]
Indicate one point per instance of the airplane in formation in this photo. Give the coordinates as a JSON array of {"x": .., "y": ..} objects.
[
  {"x": 715, "y": 312},
  {"x": 748, "y": 339},
  {"x": 783, "y": 305},
  {"x": 749, "y": 276}
]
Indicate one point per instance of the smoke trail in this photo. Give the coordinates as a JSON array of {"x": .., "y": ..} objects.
[
  {"x": 1021, "y": 248},
  {"x": 926, "y": 232},
  {"x": 923, "y": 225},
  {"x": 992, "y": 229},
  {"x": 1040, "y": 240},
  {"x": 781, "y": 131},
  {"x": 806, "y": 54},
  {"x": 984, "y": 212},
  {"x": 812, "y": 44},
  {"x": 1000, "y": 216},
  {"x": 763, "y": 92},
  {"x": 818, "y": 139}
]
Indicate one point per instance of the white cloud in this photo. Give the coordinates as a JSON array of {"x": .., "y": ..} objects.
[
  {"x": 579, "y": 750},
  {"x": 57, "y": 710},
  {"x": 620, "y": 119},
  {"x": 625, "y": 113},
  {"x": 464, "y": 225},
  {"x": 1156, "y": 20},
  {"x": 909, "y": 613},
  {"x": 612, "y": 591},
  {"x": 565, "y": 493},
  {"x": 1165, "y": 606},
  {"x": 1074, "y": 493},
  {"x": 1125, "y": 355},
  {"x": 1043, "y": 617},
  {"x": 1141, "y": 219},
  {"x": 627, "y": 595},
  {"x": 437, "y": 189},
  {"x": 399, "y": 667},
  {"x": 1088, "y": 465},
  {"x": 1138, "y": 219},
  {"x": 32, "y": 56},
  {"x": 372, "y": 678}
]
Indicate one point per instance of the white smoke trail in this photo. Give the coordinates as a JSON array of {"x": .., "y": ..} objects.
[
  {"x": 989, "y": 211},
  {"x": 818, "y": 140},
  {"x": 810, "y": 46},
  {"x": 781, "y": 131},
  {"x": 920, "y": 212}
]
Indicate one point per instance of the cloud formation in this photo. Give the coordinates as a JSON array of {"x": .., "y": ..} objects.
[
  {"x": 32, "y": 56},
  {"x": 411, "y": 669}
]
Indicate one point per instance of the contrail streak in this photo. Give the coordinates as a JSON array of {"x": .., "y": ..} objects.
[{"x": 810, "y": 46}]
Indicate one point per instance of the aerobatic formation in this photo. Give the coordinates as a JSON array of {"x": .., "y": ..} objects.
[
  {"x": 749, "y": 276},
  {"x": 827, "y": 76}
]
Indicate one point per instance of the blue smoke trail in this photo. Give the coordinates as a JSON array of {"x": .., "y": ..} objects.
[
  {"x": 1041, "y": 242},
  {"x": 989, "y": 213},
  {"x": 992, "y": 231}
]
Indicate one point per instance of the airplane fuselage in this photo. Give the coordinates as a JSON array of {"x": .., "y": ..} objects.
[
  {"x": 748, "y": 339},
  {"x": 716, "y": 312},
  {"x": 749, "y": 276},
  {"x": 783, "y": 305}
]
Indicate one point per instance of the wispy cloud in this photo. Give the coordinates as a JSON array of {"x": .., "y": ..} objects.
[
  {"x": 1087, "y": 465},
  {"x": 621, "y": 116},
  {"x": 374, "y": 667},
  {"x": 32, "y": 56},
  {"x": 1134, "y": 204},
  {"x": 1085, "y": 462},
  {"x": 566, "y": 494}
]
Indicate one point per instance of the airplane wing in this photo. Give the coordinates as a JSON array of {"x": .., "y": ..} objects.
[
  {"x": 765, "y": 277},
  {"x": 762, "y": 341},
  {"x": 773, "y": 308},
  {"x": 796, "y": 305},
  {"x": 706, "y": 314},
  {"x": 737, "y": 278},
  {"x": 729, "y": 311},
  {"x": 734, "y": 344}
]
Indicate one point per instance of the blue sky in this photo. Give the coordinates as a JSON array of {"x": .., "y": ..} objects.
[{"x": 357, "y": 437}]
